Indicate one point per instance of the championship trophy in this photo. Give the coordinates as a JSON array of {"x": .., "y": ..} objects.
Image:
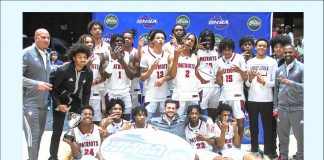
[{"x": 74, "y": 121}]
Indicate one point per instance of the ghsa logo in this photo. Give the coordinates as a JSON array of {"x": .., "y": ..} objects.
[
  {"x": 111, "y": 21},
  {"x": 147, "y": 21},
  {"x": 145, "y": 37},
  {"x": 246, "y": 132},
  {"x": 107, "y": 37},
  {"x": 218, "y": 22},
  {"x": 183, "y": 20},
  {"x": 254, "y": 23},
  {"x": 218, "y": 39}
]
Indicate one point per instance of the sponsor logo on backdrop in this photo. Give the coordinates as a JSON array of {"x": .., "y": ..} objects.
[
  {"x": 218, "y": 39},
  {"x": 146, "y": 38},
  {"x": 147, "y": 21},
  {"x": 254, "y": 23},
  {"x": 246, "y": 132},
  {"x": 106, "y": 37},
  {"x": 183, "y": 20},
  {"x": 218, "y": 22},
  {"x": 111, "y": 21}
]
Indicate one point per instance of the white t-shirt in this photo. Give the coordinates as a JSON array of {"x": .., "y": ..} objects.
[{"x": 267, "y": 68}]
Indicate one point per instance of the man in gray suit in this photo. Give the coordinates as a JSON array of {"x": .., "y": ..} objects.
[{"x": 36, "y": 72}]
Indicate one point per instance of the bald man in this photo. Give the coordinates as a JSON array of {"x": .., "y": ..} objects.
[{"x": 36, "y": 72}]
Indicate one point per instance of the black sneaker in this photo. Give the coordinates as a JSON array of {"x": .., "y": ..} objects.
[
  {"x": 258, "y": 152},
  {"x": 52, "y": 158},
  {"x": 275, "y": 155}
]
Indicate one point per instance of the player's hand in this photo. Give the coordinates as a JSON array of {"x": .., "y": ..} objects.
[
  {"x": 140, "y": 43},
  {"x": 178, "y": 51},
  {"x": 252, "y": 74},
  {"x": 69, "y": 142},
  {"x": 234, "y": 122},
  {"x": 103, "y": 112},
  {"x": 220, "y": 72},
  {"x": 260, "y": 79},
  {"x": 159, "y": 82},
  {"x": 126, "y": 126},
  {"x": 44, "y": 86},
  {"x": 155, "y": 64},
  {"x": 173, "y": 40},
  {"x": 115, "y": 53},
  {"x": 236, "y": 68},
  {"x": 63, "y": 108},
  {"x": 91, "y": 59},
  {"x": 284, "y": 80},
  {"x": 225, "y": 123},
  {"x": 200, "y": 45},
  {"x": 247, "y": 54},
  {"x": 201, "y": 137}
]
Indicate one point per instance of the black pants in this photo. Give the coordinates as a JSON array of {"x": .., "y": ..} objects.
[
  {"x": 265, "y": 110},
  {"x": 58, "y": 123}
]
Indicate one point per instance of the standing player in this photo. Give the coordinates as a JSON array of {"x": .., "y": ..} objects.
[
  {"x": 228, "y": 140},
  {"x": 198, "y": 136},
  {"x": 119, "y": 72},
  {"x": 178, "y": 32},
  {"x": 135, "y": 86},
  {"x": 261, "y": 70},
  {"x": 154, "y": 72},
  {"x": 210, "y": 92},
  {"x": 87, "y": 137},
  {"x": 246, "y": 44},
  {"x": 101, "y": 48},
  {"x": 184, "y": 72},
  {"x": 95, "y": 61},
  {"x": 231, "y": 74}
]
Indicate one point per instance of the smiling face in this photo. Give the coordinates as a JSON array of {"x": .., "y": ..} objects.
[
  {"x": 116, "y": 110},
  {"x": 89, "y": 42},
  {"x": 207, "y": 42},
  {"x": 289, "y": 53},
  {"x": 87, "y": 115},
  {"x": 194, "y": 115},
  {"x": 261, "y": 47},
  {"x": 170, "y": 110}
]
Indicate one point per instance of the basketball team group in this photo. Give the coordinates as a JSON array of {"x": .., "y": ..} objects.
[{"x": 191, "y": 86}]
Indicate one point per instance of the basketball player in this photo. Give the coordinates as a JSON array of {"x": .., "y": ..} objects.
[
  {"x": 135, "y": 83},
  {"x": 87, "y": 137},
  {"x": 95, "y": 61},
  {"x": 119, "y": 73},
  {"x": 139, "y": 115},
  {"x": 184, "y": 74},
  {"x": 246, "y": 44},
  {"x": 228, "y": 141},
  {"x": 154, "y": 72},
  {"x": 198, "y": 136},
  {"x": 261, "y": 70},
  {"x": 114, "y": 122},
  {"x": 231, "y": 74},
  {"x": 101, "y": 48},
  {"x": 210, "y": 92}
]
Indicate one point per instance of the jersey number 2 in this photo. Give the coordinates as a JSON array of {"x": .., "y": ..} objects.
[{"x": 187, "y": 74}]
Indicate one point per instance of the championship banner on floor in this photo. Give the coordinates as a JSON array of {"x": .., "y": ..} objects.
[
  {"x": 246, "y": 131},
  {"x": 224, "y": 24},
  {"x": 144, "y": 144}
]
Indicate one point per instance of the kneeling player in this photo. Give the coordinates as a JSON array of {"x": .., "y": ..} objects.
[
  {"x": 228, "y": 141},
  {"x": 198, "y": 136}
]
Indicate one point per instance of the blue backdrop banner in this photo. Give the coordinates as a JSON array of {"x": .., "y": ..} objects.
[{"x": 224, "y": 24}]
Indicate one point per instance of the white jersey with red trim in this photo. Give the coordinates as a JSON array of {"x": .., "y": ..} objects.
[
  {"x": 118, "y": 83},
  {"x": 114, "y": 127},
  {"x": 95, "y": 70},
  {"x": 102, "y": 49},
  {"x": 185, "y": 81},
  {"x": 229, "y": 135},
  {"x": 135, "y": 82},
  {"x": 232, "y": 88},
  {"x": 89, "y": 143},
  {"x": 155, "y": 94},
  {"x": 209, "y": 57},
  {"x": 191, "y": 136}
]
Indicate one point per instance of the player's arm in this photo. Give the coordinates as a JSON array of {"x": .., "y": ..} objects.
[
  {"x": 219, "y": 76},
  {"x": 220, "y": 137},
  {"x": 174, "y": 60},
  {"x": 146, "y": 70},
  {"x": 74, "y": 147},
  {"x": 137, "y": 61},
  {"x": 197, "y": 73},
  {"x": 87, "y": 87},
  {"x": 100, "y": 156},
  {"x": 276, "y": 90},
  {"x": 202, "y": 137},
  {"x": 236, "y": 138}
]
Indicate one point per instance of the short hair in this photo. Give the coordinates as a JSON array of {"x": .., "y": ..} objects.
[
  {"x": 262, "y": 39},
  {"x": 226, "y": 43},
  {"x": 246, "y": 39},
  {"x": 83, "y": 107},
  {"x": 223, "y": 107},
  {"x": 137, "y": 110},
  {"x": 174, "y": 26},
  {"x": 83, "y": 37},
  {"x": 191, "y": 107},
  {"x": 156, "y": 32},
  {"x": 171, "y": 101},
  {"x": 192, "y": 50},
  {"x": 288, "y": 28},
  {"x": 112, "y": 102},
  {"x": 114, "y": 38},
  {"x": 133, "y": 32},
  {"x": 205, "y": 33},
  {"x": 78, "y": 48},
  {"x": 289, "y": 45},
  {"x": 92, "y": 23},
  {"x": 279, "y": 39},
  {"x": 52, "y": 53}
]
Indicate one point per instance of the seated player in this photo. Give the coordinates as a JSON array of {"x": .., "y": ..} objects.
[
  {"x": 87, "y": 137},
  {"x": 228, "y": 141},
  {"x": 198, "y": 136},
  {"x": 139, "y": 120}
]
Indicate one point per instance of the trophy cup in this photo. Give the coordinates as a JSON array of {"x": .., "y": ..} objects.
[{"x": 74, "y": 121}]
